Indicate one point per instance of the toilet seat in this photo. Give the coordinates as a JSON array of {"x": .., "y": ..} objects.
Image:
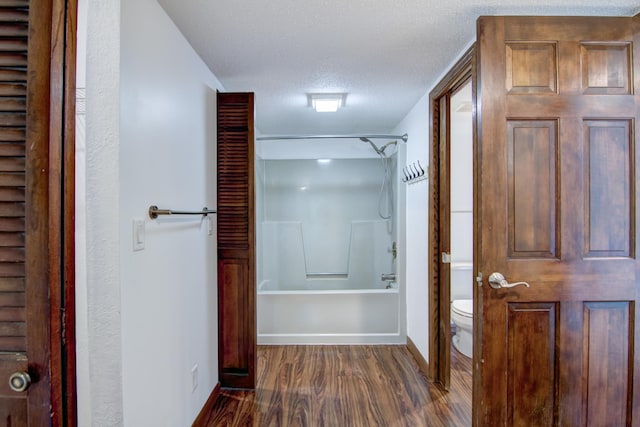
[{"x": 463, "y": 307}]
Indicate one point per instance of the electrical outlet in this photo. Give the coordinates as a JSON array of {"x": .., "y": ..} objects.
[{"x": 194, "y": 378}]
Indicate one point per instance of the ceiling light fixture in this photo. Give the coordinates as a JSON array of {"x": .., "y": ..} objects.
[{"x": 327, "y": 102}]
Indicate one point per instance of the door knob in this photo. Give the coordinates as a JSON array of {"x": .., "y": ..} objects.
[
  {"x": 19, "y": 381},
  {"x": 497, "y": 281}
]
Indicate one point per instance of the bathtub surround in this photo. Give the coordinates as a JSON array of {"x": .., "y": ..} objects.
[
  {"x": 323, "y": 252},
  {"x": 361, "y": 316}
]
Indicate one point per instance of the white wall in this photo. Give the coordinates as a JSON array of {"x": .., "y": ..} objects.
[
  {"x": 82, "y": 333},
  {"x": 461, "y": 169},
  {"x": 150, "y": 315},
  {"x": 416, "y": 234},
  {"x": 99, "y": 350}
]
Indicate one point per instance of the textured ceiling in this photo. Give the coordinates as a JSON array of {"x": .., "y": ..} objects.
[{"x": 384, "y": 53}]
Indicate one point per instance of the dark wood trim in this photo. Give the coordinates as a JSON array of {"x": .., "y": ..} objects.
[
  {"x": 68, "y": 217},
  {"x": 439, "y": 321},
  {"x": 208, "y": 408},
  {"x": 62, "y": 212},
  {"x": 420, "y": 360}
]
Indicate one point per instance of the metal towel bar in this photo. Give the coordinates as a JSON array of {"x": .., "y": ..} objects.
[{"x": 154, "y": 212}]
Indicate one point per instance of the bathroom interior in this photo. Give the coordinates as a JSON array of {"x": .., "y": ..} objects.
[
  {"x": 327, "y": 231},
  {"x": 461, "y": 219},
  {"x": 328, "y": 246},
  {"x": 329, "y": 251}
]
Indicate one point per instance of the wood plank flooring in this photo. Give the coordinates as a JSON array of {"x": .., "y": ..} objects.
[{"x": 344, "y": 386}]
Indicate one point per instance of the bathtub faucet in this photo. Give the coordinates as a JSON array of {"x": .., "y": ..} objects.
[{"x": 388, "y": 277}]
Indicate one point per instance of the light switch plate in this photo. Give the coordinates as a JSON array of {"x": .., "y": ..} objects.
[
  {"x": 138, "y": 234},
  {"x": 209, "y": 226},
  {"x": 194, "y": 378}
]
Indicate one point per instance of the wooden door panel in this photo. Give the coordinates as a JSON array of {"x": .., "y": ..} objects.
[
  {"x": 558, "y": 208},
  {"x": 235, "y": 316},
  {"x": 23, "y": 305},
  {"x": 14, "y": 413},
  {"x": 532, "y": 182},
  {"x": 606, "y": 68},
  {"x": 532, "y": 363},
  {"x": 13, "y": 410},
  {"x": 609, "y": 168},
  {"x": 531, "y": 67},
  {"x": 607, "y": 361}
]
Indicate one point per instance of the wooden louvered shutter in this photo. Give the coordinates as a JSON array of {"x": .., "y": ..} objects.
[
  {"x": 26, "y": 69},
  {"x": 236, "y": 241}
]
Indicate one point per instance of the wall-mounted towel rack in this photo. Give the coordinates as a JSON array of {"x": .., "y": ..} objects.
[{"x": 154, "y": 212}]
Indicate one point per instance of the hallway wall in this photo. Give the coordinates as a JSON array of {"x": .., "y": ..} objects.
[
  {"x": 416, "y": 231},
  {"x": 150, "y": 315},
  {"x": 416, "y": 236}
]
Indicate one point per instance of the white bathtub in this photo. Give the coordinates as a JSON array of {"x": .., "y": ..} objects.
[{"x": 352, "y": 316}]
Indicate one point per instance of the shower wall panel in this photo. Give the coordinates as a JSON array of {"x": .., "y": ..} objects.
[{"x": 321, "y": 226}]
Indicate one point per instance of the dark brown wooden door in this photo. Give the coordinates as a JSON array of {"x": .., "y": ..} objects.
[
  {"x": 236, "y": 241},
  {"x": 34, "y": 209},
  {"x": 557, "y": 204}
]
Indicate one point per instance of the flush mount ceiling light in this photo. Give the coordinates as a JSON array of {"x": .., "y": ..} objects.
[{"x": 326, "y": 102}]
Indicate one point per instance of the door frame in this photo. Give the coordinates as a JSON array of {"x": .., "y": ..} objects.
[
  {"x": 61, "y": 212},
  {"x": 439, "y": 215}
]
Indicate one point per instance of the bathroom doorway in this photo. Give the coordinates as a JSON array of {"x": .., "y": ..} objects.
[
  {"x": 450, "y": 215},
  {"x": 460, "y": 256}
]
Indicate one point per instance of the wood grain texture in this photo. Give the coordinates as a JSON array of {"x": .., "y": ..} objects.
[
  {"x": 62, "y": 213},
  {"x": 37, "y": 110},
  {"x": 608, "y": 174},
  {"x": 606, "y": 356},
  {"x": 344, "y": 386},
  {"x": 586, "y": 361},
  {"x": 37, "y": 226},
  {"x": 439, "y": 217},
  {"x": 532, "y": 187},
  {"x": 236, "y": 241}
]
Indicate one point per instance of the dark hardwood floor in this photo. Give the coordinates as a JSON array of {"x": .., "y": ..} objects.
[{"x": 344, "y": 386}]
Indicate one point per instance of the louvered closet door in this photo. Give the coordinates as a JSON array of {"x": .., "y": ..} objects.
[
  {"x": 25, "y": 33},
  {"x": 236, "y": 241}
]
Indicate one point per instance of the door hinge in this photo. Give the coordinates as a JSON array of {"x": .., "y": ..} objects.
[{"x": 446, "y": 258}]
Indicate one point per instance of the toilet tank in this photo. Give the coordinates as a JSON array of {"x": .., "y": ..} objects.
[{"x": 461, "y": 280}]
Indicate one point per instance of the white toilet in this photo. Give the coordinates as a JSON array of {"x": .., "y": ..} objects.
[
  {"x": 462, "y": 316},
  {"x": 462, "y": 306}
]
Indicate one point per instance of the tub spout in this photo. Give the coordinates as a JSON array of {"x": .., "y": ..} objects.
[{"x": 388, "y": 277}]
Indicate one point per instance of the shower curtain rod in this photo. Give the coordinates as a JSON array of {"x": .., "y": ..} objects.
[{"x": 276, "y": 137}]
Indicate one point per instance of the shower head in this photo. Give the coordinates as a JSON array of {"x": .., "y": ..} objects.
[{"x": 377, "y": 150}]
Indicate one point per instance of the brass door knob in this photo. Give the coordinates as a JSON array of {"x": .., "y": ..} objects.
[{"x": 19, "y": 381}]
